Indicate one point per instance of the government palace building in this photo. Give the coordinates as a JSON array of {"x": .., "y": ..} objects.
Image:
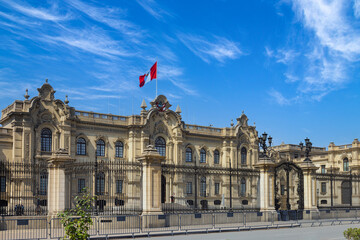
[{"x": 153, "y": 161}]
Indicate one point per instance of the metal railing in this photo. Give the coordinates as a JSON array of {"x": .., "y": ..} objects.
[{"x": 130, "y": 225}]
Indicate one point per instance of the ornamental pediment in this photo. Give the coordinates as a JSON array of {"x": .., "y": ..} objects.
[{"x": 46, "y": 92}]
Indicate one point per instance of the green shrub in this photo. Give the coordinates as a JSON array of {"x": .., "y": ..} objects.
[
  {"x": 77, "y": 221},
  {"x": 352, "y": 233}
]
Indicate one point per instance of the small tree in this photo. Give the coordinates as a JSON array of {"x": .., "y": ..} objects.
[
  {"x": 352, "y": 233},
  {"x": 77, "y": 221}
]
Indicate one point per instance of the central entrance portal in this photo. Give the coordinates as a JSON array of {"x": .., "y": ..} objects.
[{"x": 289, "y": 187}]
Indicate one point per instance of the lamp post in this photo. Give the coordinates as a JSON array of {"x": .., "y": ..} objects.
[
  {"x": 308, "y": 146},
  {"x": 230, "y": 185},
  {"x": 262, "y": 143}
]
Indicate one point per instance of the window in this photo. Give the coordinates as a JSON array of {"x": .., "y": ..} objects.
[
  {"x": 323, "y": 170},
  {"x": 202, "y": 156},
  {"x": 160, "y": 146},
  {"x": 119, "y": 149},
  {"x": 203, "y": 187},
  {"x": 189, "y": 188},
  {"x": 243, "y": 156},
  {"x": 2, "y": 184},
  {"x": 243, "y": 187},
  {"x": 296, "y": 155},
  {"x": 46, "y": 136},
  {"x": 100, "y": 184},
  {"x": 100, "y": 148},
  {"x": 81, "y": 146},
  {"x": 43, "y": 183},
  {"x": 346, "y": 164},
  {"x": 188, "y": 155},
  {"x": 216, "y": 157},
  {"x": 323, "y": 187},
  {"x": 217, "y": 188},
  {"x": 81, "y": 185},
  {"x": 119, "y": 186}
]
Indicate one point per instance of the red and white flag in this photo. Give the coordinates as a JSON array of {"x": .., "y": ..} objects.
[{"x": 149, "y": 76}]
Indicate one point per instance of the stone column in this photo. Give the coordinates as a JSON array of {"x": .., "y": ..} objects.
[
  {"x": 57, "y": 191},
  {"x": 310, "y": 200},
  {"x": 151, "y": 181},
  {"x": 266, "y": 183}
]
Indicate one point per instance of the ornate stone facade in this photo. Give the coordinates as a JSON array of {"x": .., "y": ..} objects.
[{"x": 205, "y": 166}]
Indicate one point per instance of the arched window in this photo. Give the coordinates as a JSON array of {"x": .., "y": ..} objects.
[
  {"x": 346, "y": 164},
  {"x": 160, "y": 146},
  {"x": 81, "y": 146},
  {"x": 100, "y": 183},
  {"x": 119, "y": 149},
  {"x": 46, "y": 137},
  {"x": 243, "y": 156},
  {"x": 43, "y": 183},
  {"x": 203, "y": 187},
  {"x": 100, "y": 147},
  {"x": 188, "y": 155},
  {"x": 216, "y": 157},
  {"x": 202, "y": 155},
  {"x": 242, "y": 187}
]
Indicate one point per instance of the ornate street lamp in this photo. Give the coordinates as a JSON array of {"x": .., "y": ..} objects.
[
  {"x": 262, "y": 143},
  {"x": 308, "y": 146}
]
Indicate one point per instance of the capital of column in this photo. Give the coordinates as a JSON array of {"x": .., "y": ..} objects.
[
  {"x": 60, "y": 158},
  {"x": 308, "y": 167},
  {"x": 151, "y": 156},
  {"x": 265, "y": 163}
]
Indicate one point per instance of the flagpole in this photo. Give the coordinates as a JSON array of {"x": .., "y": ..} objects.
[{"x": 156, "y": 81}]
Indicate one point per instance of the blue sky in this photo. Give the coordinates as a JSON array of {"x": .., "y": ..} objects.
[{"x": 292, "y": 66}]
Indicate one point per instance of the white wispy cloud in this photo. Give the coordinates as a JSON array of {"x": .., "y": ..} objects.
[
  {"x": 282, "y": 55},
  {"x": 89, "y": 40},
  {"x": 219, "y": 49},
  {"x": 113, "y": 17},
  {"x": 357, "y": 8},
  {"x": 328, "y": 20},
  {"x": 39, "y": 13},
  {"x": 153, "y": 8},
  {"x": 278, "y": 97},
  {"x": 332, "y": 49},
  {"x": 290, "y": 78}
]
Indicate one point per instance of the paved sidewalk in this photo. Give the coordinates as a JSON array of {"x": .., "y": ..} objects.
[{"x": 311, "y": 233}]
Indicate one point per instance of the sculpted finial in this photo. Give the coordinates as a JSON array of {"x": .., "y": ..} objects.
[
  {"x": 178, "y": 109},
  {"x": 143, "y": 105},
  {"x": 26, "y": 94},
  {"x": 46, "y": 80},
  {"x": 66, "y": 100}
]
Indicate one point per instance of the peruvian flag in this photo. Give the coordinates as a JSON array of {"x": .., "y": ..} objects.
[{"x": 148, "y": 76}]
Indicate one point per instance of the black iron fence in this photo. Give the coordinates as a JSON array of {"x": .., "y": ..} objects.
[
  {"x": 207, "y": 189},
  {"x": 114, "y": 184},
  {"x": 335, "y": 190},
  {"x": 23, "y": 189}
]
